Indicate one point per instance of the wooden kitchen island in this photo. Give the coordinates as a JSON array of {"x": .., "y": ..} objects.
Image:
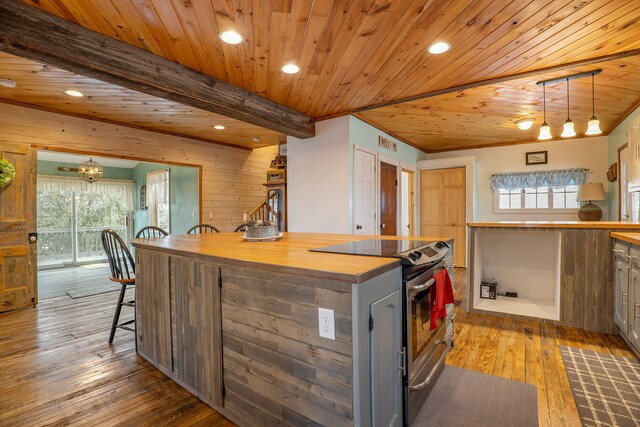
[
  {"x": 236, "y": 323},
  {"x": 562, "y": 271}
]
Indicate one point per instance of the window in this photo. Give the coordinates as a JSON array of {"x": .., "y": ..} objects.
[
  {"x": 72, "y": 213},
  {"x": 158, "y": 199},
  {"x": 538, "y": 191},
  {"x": 541, "y": 199}
]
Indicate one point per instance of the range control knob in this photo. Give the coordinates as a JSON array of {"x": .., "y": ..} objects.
[
  {"x": 418, "y": 254},
  {"x": 440, "y": 245},
  {"x": 413, "y": 256}
]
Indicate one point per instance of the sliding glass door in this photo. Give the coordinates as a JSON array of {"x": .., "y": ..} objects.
[{"x": 72, "y": 214}]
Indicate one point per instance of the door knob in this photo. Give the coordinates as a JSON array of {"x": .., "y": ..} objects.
[
  {"x": 33, "y": 237},
  {"x": 358, "y": 227}
]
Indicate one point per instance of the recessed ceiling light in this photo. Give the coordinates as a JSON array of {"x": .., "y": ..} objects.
[
  {"x": 290, "y": 68},
  {"x": 524, "y": 124},
  {"x": 231, "y": 37},
  {"x": 219, "y": 127},
  {"x": 8, "y": 83},
  {"x": 439, "y": 47},
  {"x": 72, "y": 92}
]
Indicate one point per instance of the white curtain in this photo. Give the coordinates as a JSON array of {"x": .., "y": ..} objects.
[
  {"x": 71, "y": 183},
  {"x": 158, "y": 199}
]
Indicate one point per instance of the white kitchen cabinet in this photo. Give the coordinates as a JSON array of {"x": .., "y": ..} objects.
[
  {"x": 634, "y": 305},
  {"x": 626, "y": 311}
]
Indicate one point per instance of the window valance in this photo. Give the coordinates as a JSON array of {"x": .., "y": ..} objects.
[{"x": 550, "y": 178}]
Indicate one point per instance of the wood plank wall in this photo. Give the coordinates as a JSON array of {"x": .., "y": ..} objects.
[
  {"x": 277, "y": 370},
  {"x": 232, "y": 178}
]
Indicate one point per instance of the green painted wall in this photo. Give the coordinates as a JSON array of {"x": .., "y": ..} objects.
[
  {"x": 366, "y": 136},
  {"x": 183, "y": 183},
  {"x": 46, "y": 167},
  {"x": 618, "y": 138}
]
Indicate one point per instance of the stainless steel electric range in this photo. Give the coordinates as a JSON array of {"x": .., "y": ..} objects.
[{"x": 424, "y": 349}]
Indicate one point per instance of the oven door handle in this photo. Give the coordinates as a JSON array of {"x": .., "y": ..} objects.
[
  {"x": 417, "y": 284},
  {"x": 426, "y": 382},
  {"x": 417, "y": 288}
]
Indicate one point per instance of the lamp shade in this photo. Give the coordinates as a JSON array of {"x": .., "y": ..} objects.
[{"x": 591, "y": 192}]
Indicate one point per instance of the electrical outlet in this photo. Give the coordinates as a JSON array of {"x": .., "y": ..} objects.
[
  {"x": 210, "y": 215},
  {"x": 326, "y": 323},
  {"x": 193, "y": 214}
]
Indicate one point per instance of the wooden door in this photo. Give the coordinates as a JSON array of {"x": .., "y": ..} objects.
[
  {"x": 18, "y": 287},
  {"x": 443, "y": 208},
  {"x": 388, "y": 200},
  {"x": 364, "y": 201},
  {"x": 386, "y": 378}
]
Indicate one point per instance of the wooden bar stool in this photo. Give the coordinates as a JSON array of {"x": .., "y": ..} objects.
[
  {"x": 151, "y": 231},
  {"x": 123, "y": 272},
  {"x": 202, "y": 229}
]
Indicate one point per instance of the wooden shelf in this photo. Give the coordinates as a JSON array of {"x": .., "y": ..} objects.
[{"x": 521, "y": 306}]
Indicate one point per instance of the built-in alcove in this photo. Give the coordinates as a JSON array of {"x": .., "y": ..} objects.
[{"x": 526, "y": 262}]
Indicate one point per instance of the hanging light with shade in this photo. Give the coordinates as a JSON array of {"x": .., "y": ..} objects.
[
  {"x": 594, "y": 124},
  {"x": 90, "y": 171},
  {"x": 545, "y": 129},
  {"x": 568, "y": 127}
]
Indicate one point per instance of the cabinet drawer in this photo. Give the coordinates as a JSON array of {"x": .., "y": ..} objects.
[
  {"x": 634, "y": 256},
  {"x": 620, "y": 249}
]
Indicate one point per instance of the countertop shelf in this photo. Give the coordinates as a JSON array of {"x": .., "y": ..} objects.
[
  {"x": 619, "y": 225},
  {"x": 289, "y": 254},
  {"x": 633, "y": 238}
]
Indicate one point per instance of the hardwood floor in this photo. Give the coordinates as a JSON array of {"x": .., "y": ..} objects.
[
  {"x": 525, "y": 351},
  {"x": 56, "y": 367},
  {"x": 57, "y": 282}
]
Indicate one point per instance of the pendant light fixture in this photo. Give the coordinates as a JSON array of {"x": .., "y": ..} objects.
[
  {"x": 567, "y": 129},
  {"x": 90, "y": 171},
  {"x": 545, "y": 129},
  {"x": 594, "y": 123}
]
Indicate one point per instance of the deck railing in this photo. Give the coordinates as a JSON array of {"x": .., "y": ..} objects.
[{"x": 56, "y": 245}]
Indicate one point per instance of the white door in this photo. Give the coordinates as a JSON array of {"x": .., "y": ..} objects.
[
  {"x": 625, "y": 200},
  {"x": 364, "y": 206}
]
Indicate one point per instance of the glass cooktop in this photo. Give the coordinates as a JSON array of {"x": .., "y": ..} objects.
[{"x": 374, "y": 247}]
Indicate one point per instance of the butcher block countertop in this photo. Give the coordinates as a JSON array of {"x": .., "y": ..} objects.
[
  {"x": 619, "y": 225},
  {"x": 290, "y": 253},
  {"x": 633, "y": 238}
]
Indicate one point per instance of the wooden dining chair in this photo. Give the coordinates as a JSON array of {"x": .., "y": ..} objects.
[
  {"x": 151, "y": 231},
  {"x": 122, "y": 271},
  {"x": 203, "y": 229}
]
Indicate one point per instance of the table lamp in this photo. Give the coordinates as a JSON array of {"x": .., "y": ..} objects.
[{"x": 590, "y": 193}]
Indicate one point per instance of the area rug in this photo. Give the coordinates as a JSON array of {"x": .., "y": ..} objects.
[
  {"x": 87, "y": 291},
  {"x": 606, "y": 388},
  {"x": 466, "y": 398}
]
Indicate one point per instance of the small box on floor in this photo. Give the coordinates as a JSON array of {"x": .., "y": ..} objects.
[{"x": 488, "y": 289}]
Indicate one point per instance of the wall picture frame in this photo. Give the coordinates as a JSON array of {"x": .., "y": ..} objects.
[
  {"x": 536, "y": 158},
  {"x": 143, "y": 197}
]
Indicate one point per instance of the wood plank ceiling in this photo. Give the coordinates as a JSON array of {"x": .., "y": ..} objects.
[
  {"x": 358, "y": 53},
  {"x": 43, "y": 86}
]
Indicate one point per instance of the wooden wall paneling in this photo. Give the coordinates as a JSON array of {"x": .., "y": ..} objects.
[
  {"x": 197, "y": 329},
  {"x": 231, "y": 178},
  {"x": 74, "y": 48},
  {"x": 275, "y": 363},
  {"x": 153, "y": 308}
]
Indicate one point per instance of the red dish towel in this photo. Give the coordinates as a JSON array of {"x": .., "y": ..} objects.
[{"x": 441, "y": 295}]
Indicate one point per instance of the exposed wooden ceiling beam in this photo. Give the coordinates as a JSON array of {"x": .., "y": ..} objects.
[
  {"x": 31, "y": 33},
  {"x": 502, "y": 79}
]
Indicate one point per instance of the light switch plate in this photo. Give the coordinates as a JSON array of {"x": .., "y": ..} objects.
[{"x": 326, "y": 323}]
